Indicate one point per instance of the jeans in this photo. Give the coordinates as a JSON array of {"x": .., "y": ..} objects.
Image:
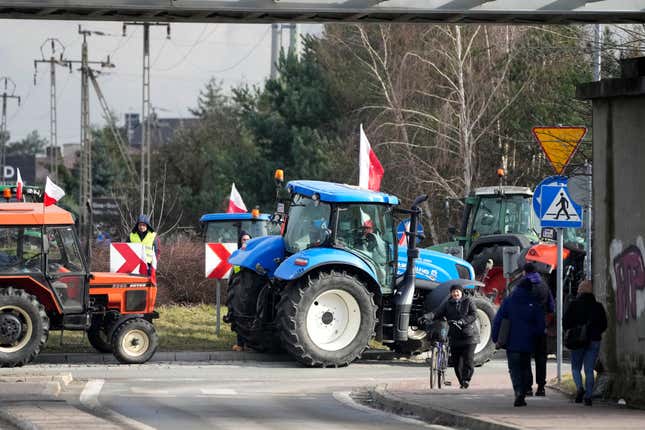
[
  {"x": 519, "y": 366},
  {"x": 587, "y": 357},
  {"x": 540, "y": 355},
  {"x": 463, "y": 359}
]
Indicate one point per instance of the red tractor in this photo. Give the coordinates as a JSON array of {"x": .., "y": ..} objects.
[{"x": 45, "y": 285}]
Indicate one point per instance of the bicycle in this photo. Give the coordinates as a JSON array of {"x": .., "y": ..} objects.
[
  {"x": 438, "y": 360},
  {"x": 439, "y": 353}
]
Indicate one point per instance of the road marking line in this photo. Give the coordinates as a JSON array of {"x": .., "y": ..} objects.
[
  {"x": 345, "y": 398},
  {"x": 90, "y": 399},
  {"x": 219, "y": 391}
]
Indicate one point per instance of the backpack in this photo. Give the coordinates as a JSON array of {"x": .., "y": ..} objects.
[{"x": 577, "y": 337}]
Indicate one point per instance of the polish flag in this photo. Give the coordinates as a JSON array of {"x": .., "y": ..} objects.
[
  {"x": 370, "y": 169},
  {"x": 19, "y": 184},
  {"x": 235, "y": 203},
  {"x": 53, "y": 193}
]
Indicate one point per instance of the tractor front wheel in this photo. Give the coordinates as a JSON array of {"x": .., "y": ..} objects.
[
  {"x": 134, "y": 341},
  {"x": 327, "y": 320},
  {"x": 24, "y": 327}
]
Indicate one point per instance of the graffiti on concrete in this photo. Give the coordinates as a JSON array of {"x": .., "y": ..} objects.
[{"x": 628, "y": 276}]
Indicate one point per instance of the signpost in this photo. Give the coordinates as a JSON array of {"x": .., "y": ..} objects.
[
  {"x": 555, "y": 208},
  {"x": 559, "y": 144}
]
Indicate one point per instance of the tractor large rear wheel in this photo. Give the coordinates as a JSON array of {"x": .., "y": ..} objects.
[
  {"x": 485, "y": 349},
  {"x": 24, "y": 327},
  {"x": 327, "y": 320}
]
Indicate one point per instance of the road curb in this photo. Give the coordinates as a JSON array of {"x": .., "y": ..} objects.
[
  {"x": 191, "y": 356},
  {"x": 393, "y": 403},
  {"x": 16, "y": 422}
]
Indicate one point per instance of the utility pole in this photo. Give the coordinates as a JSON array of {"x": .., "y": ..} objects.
[
  {"x": 277, "y": 42},
  {"x": 53, "y": 128},
  {"x": 145, "y": 192},
  {"x": 85, "y": 198},
  {"x": 8, "y": 92}
]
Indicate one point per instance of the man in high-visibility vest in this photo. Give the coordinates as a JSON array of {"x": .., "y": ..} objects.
[{"x": 143, "y": 233}]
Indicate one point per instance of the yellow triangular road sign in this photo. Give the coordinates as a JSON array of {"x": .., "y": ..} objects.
[{"x": 559, "y": 144}]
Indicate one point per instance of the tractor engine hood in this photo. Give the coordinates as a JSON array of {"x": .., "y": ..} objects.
[
  {"x": 436, "y": 267},
  {"x": 106, "y": 278}
]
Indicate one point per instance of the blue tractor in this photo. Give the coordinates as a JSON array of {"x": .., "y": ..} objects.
[{"x": 336, "y": 278}]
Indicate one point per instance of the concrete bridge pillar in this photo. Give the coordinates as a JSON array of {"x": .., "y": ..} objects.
[{"x": 619, "y": 223}]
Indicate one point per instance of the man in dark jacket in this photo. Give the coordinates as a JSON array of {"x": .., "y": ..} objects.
[
  {"x": 461, "y": 313},
  {"x": 526, "y": 320},
  {"x": 543, "y": 295},
  {"x": 585, "y": 310}
]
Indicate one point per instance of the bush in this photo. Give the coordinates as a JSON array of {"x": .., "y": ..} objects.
[{"x": 180, "y": 273}]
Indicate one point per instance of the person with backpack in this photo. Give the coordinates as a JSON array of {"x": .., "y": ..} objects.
[
  {"x": 463, "y": 335},
  {"x": 588, "y": 315}
]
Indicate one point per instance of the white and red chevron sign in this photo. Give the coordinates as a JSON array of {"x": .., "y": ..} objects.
[
  {"x": 128, "y": 258},
  {"x": 217, "y": 266}
]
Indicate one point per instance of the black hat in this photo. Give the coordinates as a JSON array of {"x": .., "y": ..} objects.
[
  {"x": 529, "y": 268},
  {"x": 456, "y": 287}
]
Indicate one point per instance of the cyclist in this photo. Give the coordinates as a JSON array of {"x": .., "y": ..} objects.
[{"x": 461, "y": 313}]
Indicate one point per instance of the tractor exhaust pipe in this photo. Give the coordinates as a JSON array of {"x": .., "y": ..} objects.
[{"x": 405, "y": 291}]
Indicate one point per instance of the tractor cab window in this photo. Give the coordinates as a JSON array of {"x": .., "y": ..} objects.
[
  {"x": 228, "y": 231},
  {"x": 65, "y": 268},
  {"x": 487, "y": 217},
  {"x": 368, "y": 231},
  {"x": 63, "y": 255},
  {"x": 21, "y": 249},
  {"x": 518, "y": 215},
  {"x": 307, "y": 225}
]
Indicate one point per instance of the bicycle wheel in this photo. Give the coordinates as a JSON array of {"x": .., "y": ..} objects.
[
  {"x": 441, "y": 365},
  {"x": 433, "y": 366}
]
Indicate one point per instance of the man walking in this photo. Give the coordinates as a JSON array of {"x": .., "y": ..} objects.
[
  {"x": 540, "y": 290},
  {"x": 526, "y": 320}
]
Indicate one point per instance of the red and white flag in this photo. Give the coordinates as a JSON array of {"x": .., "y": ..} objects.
[
  {"x": 235, "y": 203},
  {"x": 370, "y": 169},
  {"x": 19, "y": 184},
  {"x": 53, "y": 193}
]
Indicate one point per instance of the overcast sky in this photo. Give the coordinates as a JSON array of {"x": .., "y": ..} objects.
[{"x": 233, "y": 53}]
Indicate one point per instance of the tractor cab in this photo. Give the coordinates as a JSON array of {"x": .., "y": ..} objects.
[
  {"x": 226, "y": 227},
  {"x": 498, "y": 211},
  {"x": 338, "y": 216}
]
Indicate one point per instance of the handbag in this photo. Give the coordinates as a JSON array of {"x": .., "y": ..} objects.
[
  {"x": 504, "y": 333},
  {"x": 577, "y": 337}
]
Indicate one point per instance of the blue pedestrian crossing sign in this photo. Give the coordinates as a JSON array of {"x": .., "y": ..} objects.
[{"x": 556, "y": 207}]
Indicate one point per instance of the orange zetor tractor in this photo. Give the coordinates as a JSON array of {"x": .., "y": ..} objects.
[{"x": 45, "y": 285}]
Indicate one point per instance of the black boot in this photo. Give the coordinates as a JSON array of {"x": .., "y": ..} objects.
[
  {"x": 519, "y": 401},
  {"x": 588, "y": 401},
  {"x": 579, "y": 394},
  {"x": 540, "y": 391}
]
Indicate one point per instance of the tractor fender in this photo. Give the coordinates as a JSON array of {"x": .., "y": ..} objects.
[
  {"x": 120, "y": 319},
  {"x": 261, "y": 255},
  {"x": 519, "y": 240},
  {"x": 544, "y": 256},
  {"x": 314, "y": 258}
]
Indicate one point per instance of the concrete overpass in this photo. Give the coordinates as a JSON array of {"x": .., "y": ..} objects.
[{"x": 265, "y": 11}]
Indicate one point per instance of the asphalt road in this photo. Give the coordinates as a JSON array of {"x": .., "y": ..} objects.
[{"x": 239, "y": 396}]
